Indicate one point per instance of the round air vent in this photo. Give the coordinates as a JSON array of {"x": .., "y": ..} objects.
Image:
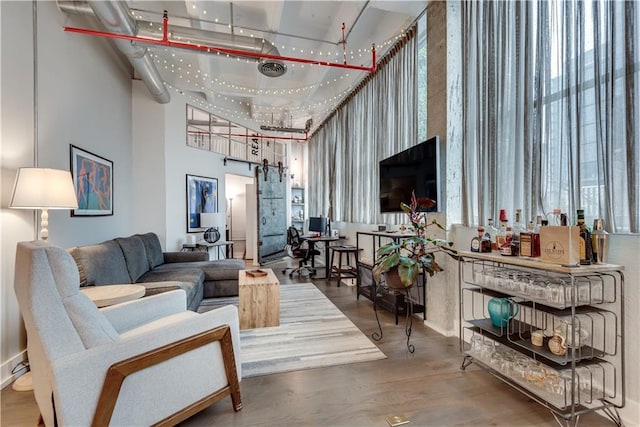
[{"x": 272, "y": 67}]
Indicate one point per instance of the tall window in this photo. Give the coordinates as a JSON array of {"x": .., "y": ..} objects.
[{"x": 551, "y": 109}]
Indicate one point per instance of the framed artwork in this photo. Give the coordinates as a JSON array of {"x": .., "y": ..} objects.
[
  {"x": 202, "y": 197},
  {"x": 93, "y": 182}
]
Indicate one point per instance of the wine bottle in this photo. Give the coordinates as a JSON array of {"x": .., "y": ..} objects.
[
  {"x": 492, "y": 233},
  {"x": 586, "y": 249}
]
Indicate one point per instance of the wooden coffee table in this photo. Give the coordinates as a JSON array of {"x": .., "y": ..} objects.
[
  {"x": 106, "y": 295},
  {"x": 259, "y": 300}
]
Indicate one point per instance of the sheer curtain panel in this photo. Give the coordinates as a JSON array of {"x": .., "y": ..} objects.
[
  {"x": 551, "y": 110},
  {"x": 377, "y": 121}
]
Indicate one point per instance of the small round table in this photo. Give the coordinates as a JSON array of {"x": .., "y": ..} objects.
[{"x": 106, "y": 295}]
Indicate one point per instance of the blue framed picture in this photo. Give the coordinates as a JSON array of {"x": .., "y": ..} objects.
[
  {"x": 202, "y": 197},
  {"x": 93, "y": 182}
]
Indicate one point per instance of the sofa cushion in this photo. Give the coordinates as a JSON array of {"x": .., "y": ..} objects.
[
  {"x": 220, "y": 288},
  {"x": 101, "y": 264},
  {"x": 191, "y": 280},
  {"x": 153, "y": 248},
  {"x": 224, "y": 269},
  {"x": 135, "y": 255}
]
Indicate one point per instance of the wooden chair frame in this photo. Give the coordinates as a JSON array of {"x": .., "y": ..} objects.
[{"x": 117, "y": 373}]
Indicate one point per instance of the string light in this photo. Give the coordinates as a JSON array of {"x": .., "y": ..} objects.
[{"x": 212, "y": 86}]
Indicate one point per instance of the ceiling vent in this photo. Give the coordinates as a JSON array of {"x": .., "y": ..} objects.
[{"x": 272, "y": 67}]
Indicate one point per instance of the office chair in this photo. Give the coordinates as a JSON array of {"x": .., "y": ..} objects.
[{"x": 297, "y": 248}]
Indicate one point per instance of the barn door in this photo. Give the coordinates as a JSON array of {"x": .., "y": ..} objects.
[{"x": 272, "y": 213}]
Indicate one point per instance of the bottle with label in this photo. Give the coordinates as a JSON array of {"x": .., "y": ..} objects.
[
  {"x": 491, "y": 232},
  {"x": 507, "y": 247},
  {"x": 517, "y": 229},
  {"x": 475, "y": 242},
  {"x": 502, "y": 232},
  {"x": 486, "y": 245},
  {"x": 586, "y": 250},
  {"x": 530, "y": 242}
]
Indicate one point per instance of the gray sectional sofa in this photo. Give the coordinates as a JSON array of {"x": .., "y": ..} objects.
[{"x": 139, "y": 259}]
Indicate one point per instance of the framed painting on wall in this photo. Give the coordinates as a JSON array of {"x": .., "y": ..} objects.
[
  {"x": 93, "y": 182},
  {"x": 202, "y": 197}
]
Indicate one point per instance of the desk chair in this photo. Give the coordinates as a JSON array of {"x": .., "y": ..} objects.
[{"x": 297, "y": 248}]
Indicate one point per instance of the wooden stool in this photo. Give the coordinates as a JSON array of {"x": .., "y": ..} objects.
[{"x": 347, "y": 270}]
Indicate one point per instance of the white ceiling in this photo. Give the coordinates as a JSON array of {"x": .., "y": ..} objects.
[{"x": 234, "y": 89}]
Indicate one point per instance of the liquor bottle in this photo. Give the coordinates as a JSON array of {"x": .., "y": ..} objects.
[
  {"x": 535, "y": 241},
  {"x": 564, "y": 220},
  {"x": 586, "y": 250},
  {"x": 486, "y": 244},
  {"x": 507, "y": 248},
  {"x": 502, "y": 232},
  {"x": 530, "y": 242},
  {"x": 491, "y": 232},
  {"x": 475, "y": 242},
  {"x": 517, "y": 229},
  {"x": 526, "y": 239}
]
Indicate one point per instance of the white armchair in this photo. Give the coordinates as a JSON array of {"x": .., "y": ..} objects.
[{"x": 144, "y": 362}]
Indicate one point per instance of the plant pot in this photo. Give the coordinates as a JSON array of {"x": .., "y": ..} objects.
[{"x": 392, "y": 279}]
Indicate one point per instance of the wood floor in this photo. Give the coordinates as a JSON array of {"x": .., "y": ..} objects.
[{"x": 427, "y": 387}]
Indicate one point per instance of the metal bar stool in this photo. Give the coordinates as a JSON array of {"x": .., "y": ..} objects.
[{"x": 346, "y": 270}]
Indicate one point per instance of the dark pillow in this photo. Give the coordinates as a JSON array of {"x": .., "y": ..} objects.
[
  {"x": 153, "y": 248},
  {"x": 135, "y": 255},
  {"x": 101, "y": 264}
]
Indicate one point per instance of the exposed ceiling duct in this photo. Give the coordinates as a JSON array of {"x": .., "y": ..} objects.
[
  {"x": 116, "y": 17},
  {"x": 272, "y": 128},
  {"x": 267, "y": 66},
  {"x": 254, "y": 45}
]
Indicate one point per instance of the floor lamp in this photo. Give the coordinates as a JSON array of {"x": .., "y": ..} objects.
[
  {"x": 44, "y": 189},
  {"x": 231, "y": 218}
]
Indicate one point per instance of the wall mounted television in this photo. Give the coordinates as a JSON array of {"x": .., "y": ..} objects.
[{"x": 416, "y": 168}]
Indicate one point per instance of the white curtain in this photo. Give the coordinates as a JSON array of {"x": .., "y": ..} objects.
[
  {"x": 551, "y": 101},
  {"x": 378, "y": 121}
]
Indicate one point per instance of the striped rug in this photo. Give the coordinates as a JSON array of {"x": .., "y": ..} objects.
[{"x": 312, "y": 333}]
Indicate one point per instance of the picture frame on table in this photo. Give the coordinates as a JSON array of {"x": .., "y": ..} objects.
[
  {"x": 202, "y": 197},
  {"x": 93, "y": 182}
]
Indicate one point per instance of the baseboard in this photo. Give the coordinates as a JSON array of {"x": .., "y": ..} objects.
[
  {"x": 9, "y": 365},
  {"x": 630, "y": 414},
  {"x": 438, "y": 329}
]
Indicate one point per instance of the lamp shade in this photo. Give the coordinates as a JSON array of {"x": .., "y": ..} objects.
[
  {"x": 37, "y": 188},
  {"x": 215, "y": 220}
]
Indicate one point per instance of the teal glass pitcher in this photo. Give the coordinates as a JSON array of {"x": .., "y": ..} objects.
[{"x": 501, "y": 310}]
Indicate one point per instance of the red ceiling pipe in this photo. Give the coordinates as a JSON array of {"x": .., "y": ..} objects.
[
  {"x": 165, "y": 27},
  {"x": 288, "y": 138},
  {"x": 212, "y": 49}
]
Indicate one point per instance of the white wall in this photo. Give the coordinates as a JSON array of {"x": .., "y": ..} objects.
[
  {"x": 160, "y": 141},
  {"x": 83, "y": 99}
]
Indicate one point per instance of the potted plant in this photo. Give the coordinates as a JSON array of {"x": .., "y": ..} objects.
[{"x": 401, "y": 262}]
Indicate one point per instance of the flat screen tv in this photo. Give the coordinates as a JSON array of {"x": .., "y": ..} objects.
[{"x": 415, "y": 169}]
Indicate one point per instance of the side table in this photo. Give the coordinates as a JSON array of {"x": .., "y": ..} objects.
[
  {"x": 258, "y": 300},
  {"x": 106, "y": 295}
]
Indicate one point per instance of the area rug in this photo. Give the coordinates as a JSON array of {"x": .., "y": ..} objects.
[{"x": 312, "y": 333}]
